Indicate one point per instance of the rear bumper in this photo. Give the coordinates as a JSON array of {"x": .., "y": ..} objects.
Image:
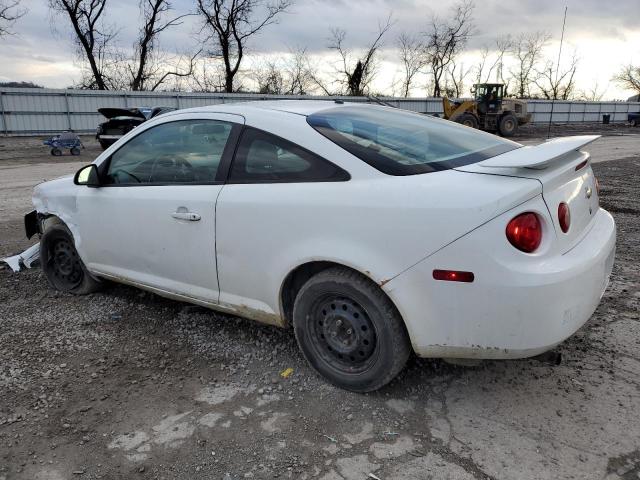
[{"x": 518, "y": 305}]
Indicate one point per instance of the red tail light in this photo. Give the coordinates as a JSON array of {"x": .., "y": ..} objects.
[
  {"x": 581, "y": 165},
  {"x": 525, "y": 232},
  {"x": 564, "y": 217}
]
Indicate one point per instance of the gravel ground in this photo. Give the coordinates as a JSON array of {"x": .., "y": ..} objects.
[{"x": 124, "y": 384}]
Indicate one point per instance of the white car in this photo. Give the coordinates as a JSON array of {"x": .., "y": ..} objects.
[{"x": 374, "y": 232}]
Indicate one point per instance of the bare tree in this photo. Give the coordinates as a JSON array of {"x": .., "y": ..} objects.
[
  {"x": 629, "y": 78},
  {"x": 593, "y": 94},
  {"x": 208, "y": 76},
  {"x": 557, "y": 84},
  {"x": 10, "y": 11},
  {"x": 231, "y": 24},
  {"x": 269, "y": 78},
  {"x": 445, "y": 39},
  {"x": 455, "y": 79},
  {"x": 482, "y": 70},
  {"x": 527, "y": 50},
  {"x": 504, "y": 43},
  {"x": 355, "y": 74},
  {"x": 491, "y": 61},
  {"x": 413, "y": 56},
  {"x": 92, "y": 37},
  {"x": 298, "y": 72},
  {"x": 149, "y": 68}
]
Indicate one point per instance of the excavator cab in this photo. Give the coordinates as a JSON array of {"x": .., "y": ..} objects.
[{"x": 489, "y": 97}]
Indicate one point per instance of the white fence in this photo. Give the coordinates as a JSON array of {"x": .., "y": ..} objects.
[{"x": 27, "y": 111}]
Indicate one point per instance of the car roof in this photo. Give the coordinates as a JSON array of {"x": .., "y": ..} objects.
[{"x": 297, "y": 107}]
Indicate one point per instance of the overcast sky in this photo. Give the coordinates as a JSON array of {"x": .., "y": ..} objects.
[{"x": 605, "y": 34}]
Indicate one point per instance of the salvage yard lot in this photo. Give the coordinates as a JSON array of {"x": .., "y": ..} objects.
[{"x": 125, "y": 384}]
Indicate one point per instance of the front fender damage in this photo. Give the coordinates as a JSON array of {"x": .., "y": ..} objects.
[{"x": 54, "y": 202}]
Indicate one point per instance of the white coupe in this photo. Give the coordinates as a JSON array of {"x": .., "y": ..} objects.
[{"x": 372, "y": 231}]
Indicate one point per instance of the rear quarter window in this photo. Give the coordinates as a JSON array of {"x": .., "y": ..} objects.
[{"x": 398, "y": 142}]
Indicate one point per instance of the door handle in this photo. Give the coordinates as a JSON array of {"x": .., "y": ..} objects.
[{"x": 189, "y": 216}]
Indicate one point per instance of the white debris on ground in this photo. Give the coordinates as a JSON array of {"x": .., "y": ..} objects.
[{"x": 25, "y": 259}]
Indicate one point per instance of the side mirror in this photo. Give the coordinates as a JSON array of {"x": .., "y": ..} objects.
[{"x": 87, "y": 175}]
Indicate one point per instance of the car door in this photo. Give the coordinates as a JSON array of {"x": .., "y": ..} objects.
[
  {"x": 152, "y": 222},
  {"x": 273, "y": 188}
]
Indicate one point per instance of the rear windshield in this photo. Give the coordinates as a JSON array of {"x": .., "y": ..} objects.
[{"x": 398, "y": 142}]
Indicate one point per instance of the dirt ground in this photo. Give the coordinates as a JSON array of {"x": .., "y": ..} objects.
[{"x": 124, "y": 384}]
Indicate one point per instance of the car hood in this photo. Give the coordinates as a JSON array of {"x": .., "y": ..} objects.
[{"x": 122, "y": 112}]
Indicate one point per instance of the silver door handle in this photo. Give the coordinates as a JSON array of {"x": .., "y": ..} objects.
[{"x": 190, "y": 216}]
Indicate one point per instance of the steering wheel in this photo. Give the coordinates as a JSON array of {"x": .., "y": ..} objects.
[{"x": 174, "y": 163}]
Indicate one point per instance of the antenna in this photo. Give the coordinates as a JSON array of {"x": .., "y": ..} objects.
[{"x": 553, "y": 100}]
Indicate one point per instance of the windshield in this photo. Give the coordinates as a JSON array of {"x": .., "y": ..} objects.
[{"x": 398, "y": 142}]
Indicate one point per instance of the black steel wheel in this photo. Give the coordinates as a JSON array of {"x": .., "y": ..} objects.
[
  {"x": 349, "y": 331},
  {"x": 343, "y": 335},
  {"x": 56, "y": 152},
  {"x": 61, "y": 263},
  {"x": 75, "y": 151}
]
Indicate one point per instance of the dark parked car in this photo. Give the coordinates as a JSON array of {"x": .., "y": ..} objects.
[
  {"x": 123, "y": 120},
  {"x": 634, "y": 118}
]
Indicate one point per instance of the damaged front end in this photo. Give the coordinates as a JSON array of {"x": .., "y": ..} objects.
[
  {"x": 31, "y": 256},
  {"x": 32, "y": 224},
  {"x": 26, "y": 259}
]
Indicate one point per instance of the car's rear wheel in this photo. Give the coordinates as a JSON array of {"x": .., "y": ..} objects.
[
  {"x": 62, "y": 265},
  {"x": 56, "y": 152},
  {"x": 349, "y": 331},
  {"x": 75, "y": 151}
]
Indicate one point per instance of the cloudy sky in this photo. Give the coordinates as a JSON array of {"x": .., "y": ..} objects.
[{"x": 605, "y": 35}]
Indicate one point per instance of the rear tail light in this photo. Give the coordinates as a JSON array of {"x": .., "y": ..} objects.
[
  {"x": 581, "y": 165},
  {"x": 564, "y": 217},
  {"x": 525, "y": 232},
  {"x": 453, "y": 276}
]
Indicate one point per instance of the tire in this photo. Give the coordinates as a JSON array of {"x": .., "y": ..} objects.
[
  {"x": 508, "y": 125},
  {"x": 468, "y": 120},
  {"x": 62, "y": 265},
  {"x": 56, "y": 152},
  {"x": 104, "y": 145},
  {"x": 75, "y": 151},
  {"x": 349, "y": 331}
]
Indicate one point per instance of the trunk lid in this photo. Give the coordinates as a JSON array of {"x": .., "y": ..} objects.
[
  {"x": 122, "y": 112},
  {"x": 566, "y": 176}
]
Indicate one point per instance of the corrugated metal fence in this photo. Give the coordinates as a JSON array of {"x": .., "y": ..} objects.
[{"x": 25, "y": 111}]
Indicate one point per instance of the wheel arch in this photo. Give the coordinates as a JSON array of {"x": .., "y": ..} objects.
[
  {"x": 299, "y": 275},
  {"x": 49, "y": 220}
]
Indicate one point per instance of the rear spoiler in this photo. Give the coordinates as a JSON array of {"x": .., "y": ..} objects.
[{"x": 540, "y": 155}]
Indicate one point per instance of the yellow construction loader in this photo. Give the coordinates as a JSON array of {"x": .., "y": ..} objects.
[{"x": 489, "y": 111}]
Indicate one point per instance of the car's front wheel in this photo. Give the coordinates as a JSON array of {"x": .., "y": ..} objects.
[
  {"x": 62, "y": 265},
  {"x": 349, "y": 331}
]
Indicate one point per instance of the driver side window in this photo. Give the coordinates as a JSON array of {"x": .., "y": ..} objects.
[{"x": 180, "y": 152}]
